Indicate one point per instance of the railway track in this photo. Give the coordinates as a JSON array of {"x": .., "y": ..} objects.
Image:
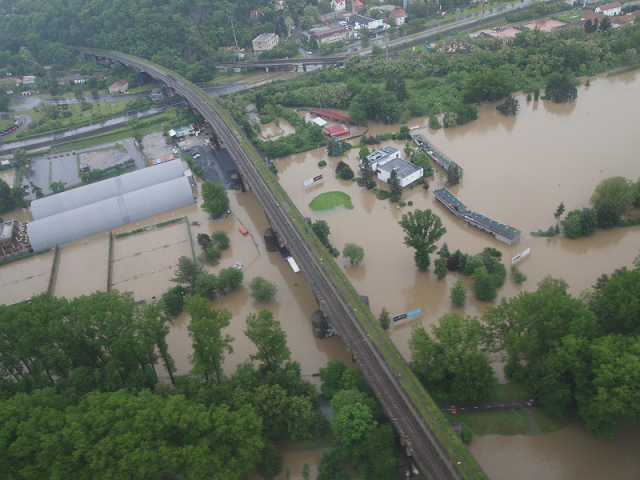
[{"x": 421, "y": 443}]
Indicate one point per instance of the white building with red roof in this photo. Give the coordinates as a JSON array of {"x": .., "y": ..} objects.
[
  {"x": 610, "y": 9},
  {"x": 400, "y": 16}
]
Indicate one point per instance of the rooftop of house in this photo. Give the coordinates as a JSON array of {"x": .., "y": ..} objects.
[
  {"x": 361, "y": 19},
  {"x": 263, "y": 37},
  {"x": 546, "y": 25},
  {"x": 402, "y": 168},
  {"x": 398, "y": 13},
  {"x": 381, "y": 154},
  {"x": 5, "y": 231},
  {"x": 323, "y": 31},
  {"x": 593, "y": 16},
  {"x": 358, "y": 4},
  {"x": 610, "y": 6},
  {"x": 119, "y": 83},
  {"x": 509, "y": 32}
]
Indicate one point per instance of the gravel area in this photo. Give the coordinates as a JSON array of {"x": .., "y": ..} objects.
[{"x": 155, "y": 145}]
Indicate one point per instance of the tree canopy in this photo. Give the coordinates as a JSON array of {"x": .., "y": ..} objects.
[{"x": 423, "y": 229}]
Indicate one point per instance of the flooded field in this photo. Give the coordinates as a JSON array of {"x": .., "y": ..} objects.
[
  {"x": 568, "y": 453},
  {"x": 143, "y": 262},
  {"x": 294, "y": 462},
  {"x": 292, "y": 306},
  {"x": 23, "y": 279},
  {"x": 272, "y": 131},
  {"x": 82, "y": 267},
  {"x": 516, "y": 171},
  {"x": 8, "y": 176}
]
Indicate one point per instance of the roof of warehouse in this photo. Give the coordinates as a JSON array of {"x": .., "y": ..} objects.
[
  {"x": 111, "y": 187},
  {"x": 110, "y": 213}
]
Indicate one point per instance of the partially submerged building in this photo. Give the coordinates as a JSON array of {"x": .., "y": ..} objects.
[
  {"x": 109, "y": 204},
  {"x": 407, "y": 172}
]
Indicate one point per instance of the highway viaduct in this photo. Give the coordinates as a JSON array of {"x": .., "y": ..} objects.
[{"x": 419, "y": 439}]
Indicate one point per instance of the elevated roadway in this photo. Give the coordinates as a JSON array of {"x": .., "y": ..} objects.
[{"x": 416, "y": 436}]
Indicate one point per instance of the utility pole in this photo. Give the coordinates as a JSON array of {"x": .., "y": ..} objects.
[{"x": 234, "y": 32}]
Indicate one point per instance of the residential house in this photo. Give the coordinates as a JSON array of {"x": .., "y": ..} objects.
[
  {"x": 382, "y": 156},
  {"x": 593, "y": 16},
  {"x": 399, "y": 15},
  {"x": 256, "y": 15},
  {"x": 407, "y": 172},
  {"x": 74, "y": 78},
  {"x": 610, "y": 9},
  {"x": 338, "y": 5},
  {"x": 336, "y": 131},
  {"x": 28, "y": 80},
  {"x": 329, "y": 35},
  {"x": 358, "y": 5},
  {"x": 121, "y": 86},
  {"x": 620, "y": 20},
  {"x": 264, "y": 42}
]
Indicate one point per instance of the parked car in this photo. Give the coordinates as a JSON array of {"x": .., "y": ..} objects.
[
  {"x": 186, "y": 149},
  {"x": 197, "y": 155},
  {"x": 175, "y": 151}
]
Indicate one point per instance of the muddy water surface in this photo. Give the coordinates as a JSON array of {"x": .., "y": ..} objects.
[{"x": 516, "y": 171}]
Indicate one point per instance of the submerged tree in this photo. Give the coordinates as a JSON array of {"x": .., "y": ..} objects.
[
  {"x": 267, "y": 335},
  {"x": 423, "y": 229},
  {"x": 560, "y": 89},
  {"x": 395, "y": 188},
  {"x": 209, "y": 343},
  {"x": 509, "y": 107},
  {"x": 453, "y": 174}
]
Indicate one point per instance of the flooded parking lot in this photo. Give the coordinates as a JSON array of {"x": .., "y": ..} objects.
[
  {"x": 82, "y": 267},
  {"x": 25, "y": 278},
  {"x": 143, "y": 262}
]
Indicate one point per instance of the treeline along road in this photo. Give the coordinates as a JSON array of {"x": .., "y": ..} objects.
[{"x": 420, "y": 441}]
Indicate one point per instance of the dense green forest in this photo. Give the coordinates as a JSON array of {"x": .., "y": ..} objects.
[
  {"x": 179, "y": 34},
  {"x": 80, "y": 395}
]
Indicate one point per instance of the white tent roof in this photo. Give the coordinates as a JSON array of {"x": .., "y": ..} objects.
[
  {"x": 111, "y": 187},
  {"x": 319, "y": 121},
  {"x": 110, "y": 213}
]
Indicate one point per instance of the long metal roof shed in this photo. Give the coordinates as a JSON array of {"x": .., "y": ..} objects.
[
  {"x": 111, "y": 187},
  {"x": 110, "y": 213}
]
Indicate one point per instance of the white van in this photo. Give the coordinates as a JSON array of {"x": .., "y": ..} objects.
[{"x": 342, "y": 24}]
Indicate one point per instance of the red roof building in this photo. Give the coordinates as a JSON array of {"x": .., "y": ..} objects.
[
  {"x": 336, "y": 131},
  {"x": 400, "y": 15},
  {"x": 358, "y": 4},
  {"x": 321, "y": 112},
  {"x": 593, "y": 16}
]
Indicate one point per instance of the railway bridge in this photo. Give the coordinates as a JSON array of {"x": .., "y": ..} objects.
[{"x": 419, "y": 439}]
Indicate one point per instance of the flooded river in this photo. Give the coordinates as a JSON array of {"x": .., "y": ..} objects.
[{"x": 516, "y": 171}]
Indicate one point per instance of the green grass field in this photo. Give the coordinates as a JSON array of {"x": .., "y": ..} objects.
[
  {"x": 329, "y": 200},
  {"x": 509, "y": 391},
  {"x": 548, "y": 424},
  {"x": 508, "y": 422}
]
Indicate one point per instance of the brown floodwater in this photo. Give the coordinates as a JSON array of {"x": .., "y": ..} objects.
[
  {"x": 516, "y": 171},
  {"x": 568, "y": 453}
]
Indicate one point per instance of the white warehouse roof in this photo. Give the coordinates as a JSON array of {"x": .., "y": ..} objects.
[
  {"x": 110, "y": 213},
  {"x": 111, "y": 187}
]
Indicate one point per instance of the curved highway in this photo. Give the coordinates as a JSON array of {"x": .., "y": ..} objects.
[{"x": 429, "y": 456}]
